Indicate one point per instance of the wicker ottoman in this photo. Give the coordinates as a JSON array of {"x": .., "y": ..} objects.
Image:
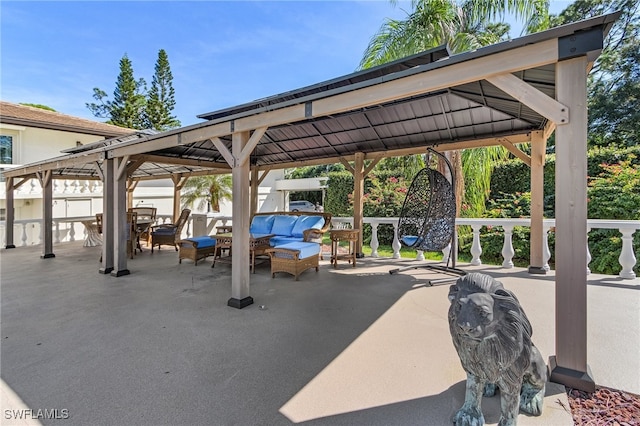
[
  {"x": 294, "y": 258},
  {"x": 197, "y": 248}
]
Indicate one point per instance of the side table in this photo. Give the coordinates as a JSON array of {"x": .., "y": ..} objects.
[{"x": 349, "y": 235}]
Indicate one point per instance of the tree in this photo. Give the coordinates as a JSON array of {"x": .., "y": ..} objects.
[
  {"x": 209, "y": 189},
  {"x": 432, "y": 23},
  {"x": 408, "y": 165},
  {"x": 48, "y": 108},
  {"x": 464, "y": 26},
  {"x": 614, "y": 82},
  {"x": 161, "y": 98},
  {"x": 128, "y": 106}
]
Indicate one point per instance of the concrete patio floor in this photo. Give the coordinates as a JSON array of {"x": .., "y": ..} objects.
[{"x": 339, "y": 347}]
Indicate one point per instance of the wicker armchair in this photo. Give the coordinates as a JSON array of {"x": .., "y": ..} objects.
[{"x": 169, "y": 234}]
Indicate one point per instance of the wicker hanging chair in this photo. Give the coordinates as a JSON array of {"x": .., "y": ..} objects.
[{"x": 428, "y": 215}]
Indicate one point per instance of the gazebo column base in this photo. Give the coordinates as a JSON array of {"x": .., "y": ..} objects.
[
  {"x": 574, "y": 379},
  {"x": 47, "y": 256},
  {"x": 120, "y": 273},
  {"x": 240, "y": 303},
  {"x": 538, "y": 270}
]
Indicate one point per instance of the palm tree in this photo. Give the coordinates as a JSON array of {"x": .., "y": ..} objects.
[
  {"x": 210, "y": 189},
  {"x": 463, "y": 26}
]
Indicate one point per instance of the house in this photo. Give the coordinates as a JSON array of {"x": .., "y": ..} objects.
[{"x": 29, "y": 134}]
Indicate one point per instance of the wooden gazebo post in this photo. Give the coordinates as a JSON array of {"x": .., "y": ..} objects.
[{"x": 569, "y": 365}]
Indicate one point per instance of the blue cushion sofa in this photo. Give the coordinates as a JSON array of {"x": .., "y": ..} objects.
[{"x": 290, "y": 227}]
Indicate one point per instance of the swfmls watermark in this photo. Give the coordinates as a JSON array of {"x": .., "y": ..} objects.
[{"x": 39, "y": 414}]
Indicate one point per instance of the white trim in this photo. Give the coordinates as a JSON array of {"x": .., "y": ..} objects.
[{"x": 12, "y": 127}]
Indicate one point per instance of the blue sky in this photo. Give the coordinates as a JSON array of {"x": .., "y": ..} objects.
[{"x": 221, "y": 53}]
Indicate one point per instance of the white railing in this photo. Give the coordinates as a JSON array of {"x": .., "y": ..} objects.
[
  {"x": 32, "y": 188},
  {"x": 29, "y": 232}
]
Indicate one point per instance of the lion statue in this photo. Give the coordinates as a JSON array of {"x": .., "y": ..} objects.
[{"x": 492, "y": 335}]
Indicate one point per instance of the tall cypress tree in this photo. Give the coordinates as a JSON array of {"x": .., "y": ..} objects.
[
  {"x": 128, "y": 106},
  {"x": 161, "y": 98}
]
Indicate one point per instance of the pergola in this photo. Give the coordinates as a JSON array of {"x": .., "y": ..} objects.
[{"x": 514, "y": 92}]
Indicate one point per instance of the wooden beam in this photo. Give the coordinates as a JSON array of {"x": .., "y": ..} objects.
[
  {"x": 108, "y": 221},
  {"x": 184, "y": 136},
  {"x": 189, "y": 174},
  {"x": 526, "y": 57},
  {"x": 569, "y": 366},
  {"x": 536, "y": 262},
  {"x": 240, "y": 272},
  {"x": 134, "y": 165},
  {"x": 531, "y": 97},
  {"x": 160, "y": 159},
  {"x": 121, "y": 170},
  {"x": 178, "y": 182},
  {"x": 346, "y": 164},
  {"x": 224, "y": 151},
  {"x": 72, "y": 161},
  {"x": 251, "y": 144},
  {"x": 516, "y": 151},
  {"x": 443, "y": 147},
  {"x": 264, "y": 174},
  {"x": 358, "y": 193},
  {"x": 98, "y": 168},
  {"x": 17, "y": 185},
  {"x": 371, "y": 165},
  {"x": 10, "y": 212},
  {"x": 548, "y": 130},
  {"x": 47, "y": 214}
]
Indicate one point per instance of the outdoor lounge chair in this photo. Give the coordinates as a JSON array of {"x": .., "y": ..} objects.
[
  {"x": 169, "y": 234},
  {"x": 428, "y": 219}
]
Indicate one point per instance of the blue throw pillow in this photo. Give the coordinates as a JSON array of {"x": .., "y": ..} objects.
[
  {"x": 283, "y": 225},
  {"x": 262, "y": 224},
  {"x": 306, "y": 222}
]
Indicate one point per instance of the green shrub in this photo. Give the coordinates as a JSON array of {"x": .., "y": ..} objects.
[{"x": 613, "y": 194}]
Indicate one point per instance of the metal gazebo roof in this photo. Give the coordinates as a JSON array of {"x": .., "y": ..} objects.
[{"x": 461, "y": 113}]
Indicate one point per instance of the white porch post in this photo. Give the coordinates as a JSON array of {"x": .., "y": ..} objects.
[
  {"x": 569, "y": 365},
  {"x": 120, "y": 217},
  {"x": 538, "y": 148},
  {"x": 240, "y": 265},
  {"x": 10, "y": 215},
  {"x": 47, "y": 214},
  {"x": 108, "y": 170}
]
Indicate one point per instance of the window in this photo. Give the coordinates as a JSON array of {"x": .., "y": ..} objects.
[{"x": 6, "y": 149}]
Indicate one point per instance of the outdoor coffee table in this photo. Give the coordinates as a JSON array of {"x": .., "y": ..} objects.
[{"x": 258, "y": 244}]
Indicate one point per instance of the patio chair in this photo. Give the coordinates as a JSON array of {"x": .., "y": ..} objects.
[
  {"x": 428, "y": 219},
  {"x": 99, "y": 222},
  {"x": 169, "y": 234},
  {"x": 132, "y": 233},
  {"x": 148, "y": 215}
]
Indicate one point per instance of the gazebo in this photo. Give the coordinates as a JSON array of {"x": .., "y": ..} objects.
[{"x": 519, "y": 91}]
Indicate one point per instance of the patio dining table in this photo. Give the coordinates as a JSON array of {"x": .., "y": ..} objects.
[{"x": 92, "y": 237}]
